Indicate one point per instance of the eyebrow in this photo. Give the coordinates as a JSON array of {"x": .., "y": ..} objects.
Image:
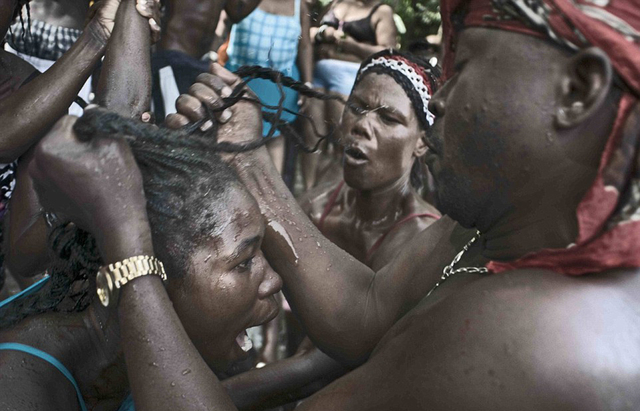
[{"x": 246, "y": 244}]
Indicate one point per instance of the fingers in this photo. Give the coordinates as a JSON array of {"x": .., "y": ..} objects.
[
  {"x": 150, "y": 9},
  {"x": 176, "y": 121},
  {"x": 228, "y": 77},
  {"x": 190, "y": 107},
  {"x": 211, "y": 90}
]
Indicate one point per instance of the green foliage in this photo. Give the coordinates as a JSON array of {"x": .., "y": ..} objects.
[{"x": 421, "y": 17}]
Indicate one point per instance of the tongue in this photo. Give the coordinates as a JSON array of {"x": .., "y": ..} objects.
[{"x": 244, "y": 341}]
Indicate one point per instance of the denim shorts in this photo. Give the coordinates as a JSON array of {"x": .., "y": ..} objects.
[{"x": 335, "y": 75}]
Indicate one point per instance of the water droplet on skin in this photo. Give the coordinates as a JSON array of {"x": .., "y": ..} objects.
[
  {"x": 173, "y": 384},
  {"x": 154, "y": 364},
  {"x": 187, "y": 371}
]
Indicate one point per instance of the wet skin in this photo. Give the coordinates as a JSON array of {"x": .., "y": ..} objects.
[
  {"x": 239, "y": 290},
  {"x": 525, "y": 339},
  {"x": 378, "y": 192},
  {"x": 228, "y": 286}
]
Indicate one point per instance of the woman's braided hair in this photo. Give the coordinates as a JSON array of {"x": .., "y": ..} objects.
[{"x": 182, "y": 176}]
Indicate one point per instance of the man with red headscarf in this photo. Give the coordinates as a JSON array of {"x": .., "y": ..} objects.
[{"x": 536, "y": 140}]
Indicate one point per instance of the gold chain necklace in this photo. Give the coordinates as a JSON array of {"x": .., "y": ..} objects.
[{"x": 448, "y": 271}]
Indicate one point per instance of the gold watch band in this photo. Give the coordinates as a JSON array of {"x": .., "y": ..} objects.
[{"x": 113, "y": 276}]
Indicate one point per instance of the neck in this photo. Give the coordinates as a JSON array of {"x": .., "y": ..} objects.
[
  {"x": 516, "y": 235},
  {"x": 383, "y": 204}
]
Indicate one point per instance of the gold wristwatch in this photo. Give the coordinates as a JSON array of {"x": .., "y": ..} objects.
[{"x": 113, "y": 276}]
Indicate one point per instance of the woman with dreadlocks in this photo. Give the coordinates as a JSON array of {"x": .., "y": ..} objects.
[
  {"x": 30, "y": 102},
  {"x": 536, "y": 145},
  {"x": 59, "y": 347},
  {"x": 372, "y": 213}
]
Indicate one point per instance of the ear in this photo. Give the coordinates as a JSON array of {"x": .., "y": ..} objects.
[
  {"x": 585, "y": 86},
  {"x": 421, "y": 147}
]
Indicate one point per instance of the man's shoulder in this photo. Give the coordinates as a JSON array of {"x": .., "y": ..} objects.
[{"x": 529, "y": 337}]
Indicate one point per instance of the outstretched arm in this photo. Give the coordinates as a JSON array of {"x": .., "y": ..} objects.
[
  {"x": 125, "y": 87},
  {"x": 28, "y": 113},
  {"x": 125, "y": 81},
  {"x": 344, "y": 306},
  {"x": 282, "y": 382}
]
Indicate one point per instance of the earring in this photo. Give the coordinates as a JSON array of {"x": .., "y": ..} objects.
[{"x": 577, "y": 107}]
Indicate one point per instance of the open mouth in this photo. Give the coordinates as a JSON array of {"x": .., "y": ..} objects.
[
  {"x": 244, "y": 342},
  {"x": 355, "y": 153}
]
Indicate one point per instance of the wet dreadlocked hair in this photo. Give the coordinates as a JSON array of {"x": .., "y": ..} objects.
[
  {"x": 182, "y": 177},
  {"x": 184, "y": 182}
]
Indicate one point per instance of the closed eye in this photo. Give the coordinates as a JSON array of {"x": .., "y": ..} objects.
[{"x": 245, "y": 265}]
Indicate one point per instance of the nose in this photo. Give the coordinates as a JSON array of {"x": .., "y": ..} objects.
[
  {"x": 271, "y": 284},
  {"x": 362, "y": 127}
]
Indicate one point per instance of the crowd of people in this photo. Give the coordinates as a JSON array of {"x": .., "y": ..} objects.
[{"x": 459, "y": 232}]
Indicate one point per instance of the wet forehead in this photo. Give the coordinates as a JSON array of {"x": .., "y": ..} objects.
[{"x": 240, "y": 221}]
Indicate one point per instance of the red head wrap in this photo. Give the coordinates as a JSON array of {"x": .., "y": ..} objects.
[{"x": 609, "y": 214}]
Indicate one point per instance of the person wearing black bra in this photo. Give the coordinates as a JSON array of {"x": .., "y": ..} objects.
[{"x": 349, "y": 32}]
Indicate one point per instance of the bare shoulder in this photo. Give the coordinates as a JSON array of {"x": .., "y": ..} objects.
[
  {"x": 525, "y": 340},
  {"x": 314, "y": 201},
  {"x": 384, "y": 11},
  {"x": 27, "y": 381}
]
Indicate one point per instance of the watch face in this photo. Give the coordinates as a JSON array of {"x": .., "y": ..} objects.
[{"x": 103, "y": 287}]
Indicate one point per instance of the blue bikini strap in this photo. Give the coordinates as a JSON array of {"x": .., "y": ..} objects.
[
  {"x": 43, "y": 355},
  {"x": 31, "y": 289}
]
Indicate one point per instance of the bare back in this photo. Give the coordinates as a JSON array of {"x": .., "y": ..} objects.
[{"x": 526, "y": 340}]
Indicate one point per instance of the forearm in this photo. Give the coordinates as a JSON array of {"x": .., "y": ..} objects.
[
  {"x": 125, "y": 83},
  {"x": 166, "y": 372},
  {"x": 29, "y": 112},
  {"x": 282, "y": 382},
  {"x": 328, "y": 288}
]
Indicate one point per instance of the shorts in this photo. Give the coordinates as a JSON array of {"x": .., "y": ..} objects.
[
  {"x": 335, "y": 75},
  {"x": 173, "y": 73}
]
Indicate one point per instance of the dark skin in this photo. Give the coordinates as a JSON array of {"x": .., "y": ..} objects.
[
  {"x": 191, "y": 25},
  {"x": 26, "y": 228},
  {"x": 377, "y": 195},
  {"x": 335, "y": 44},
  {"x": 51, "y": 93},
  {"x": 487, "y": 342},
  {"x": 87, "y": 343},
  {"x": 378, "y": 192},
  {"x": 100, "y": 370}
]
